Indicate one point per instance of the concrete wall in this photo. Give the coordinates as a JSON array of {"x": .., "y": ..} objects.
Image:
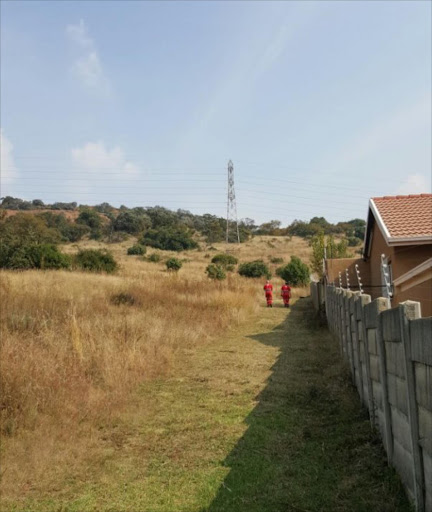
[{"x": 390, "y": 355}]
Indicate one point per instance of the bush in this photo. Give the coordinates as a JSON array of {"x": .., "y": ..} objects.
[
  {"x": 225, "y": 260},
  {"x": 126, "y": 299},
  {"x": 296, "y": 273},
  {"x": 173, "y": 264},
  {"x": 215, "y": 272},
  {"x": 175, "y": 238},
  {"x": 353, "y": 241},
  {"x": 90, "y": 218},
  {"x": 154, "y": 258},
  {"x": 95, "y": 260},
  {"x": 276, "y": 260},
  {"x": 131, "y": 222},
  {"x": 254, "y": 269},
  {"x": 137, "y": 249},
  {"x": 43, "y": 256}
]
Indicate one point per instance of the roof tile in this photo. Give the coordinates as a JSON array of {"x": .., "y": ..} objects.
[{"x": 406, "y": 216}]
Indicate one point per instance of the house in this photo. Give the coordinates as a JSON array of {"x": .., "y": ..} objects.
[{"x": 397, "y": 252}]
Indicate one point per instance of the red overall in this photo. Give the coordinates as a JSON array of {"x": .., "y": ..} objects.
[
  {"x": 268, "y": 288},
  {"x": 286, "y": 294}
]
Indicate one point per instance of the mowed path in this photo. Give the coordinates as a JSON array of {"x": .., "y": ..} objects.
[{"x": 264, "y": 419}]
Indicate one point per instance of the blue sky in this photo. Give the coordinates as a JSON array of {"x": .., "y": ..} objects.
[{"x": 320, "y": 105}]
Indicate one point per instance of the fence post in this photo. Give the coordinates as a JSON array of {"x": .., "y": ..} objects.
[
  {"x": 384, "y": 385},
  {"x": 355, "y": 337},
  {"x": 349, "y": 337},
  {"x": 366, "y": 299},
  {"x": 408, "y": 311}
]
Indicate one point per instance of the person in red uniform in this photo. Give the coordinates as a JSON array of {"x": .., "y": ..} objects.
[
  {"x": 268, "y": 289},
  {"x": 286, "y": 294}
]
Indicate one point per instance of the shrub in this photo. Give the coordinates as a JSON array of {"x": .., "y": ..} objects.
[
  {"x": 295, "y": 272},
  {"x": 123, "y": 299},
  {"x": 353, "y": 241},
  {"x": 215, "y": 272},
  {"x": 154, "y": 257},
  {"x": 276, "y": 260},
  {"x": 43, "y": 256},
  {"x": 254, "y": 269},
  {"x": 131, "y": 222},
  {"x": 137, "y": 249},
  {"x": 173, "y": 264},
  {"x": 225, "y": 260},
  {"x": 95, "y": 260},
  {"x": 90, "y": 218},
  {"x": 173, "y": 238}
]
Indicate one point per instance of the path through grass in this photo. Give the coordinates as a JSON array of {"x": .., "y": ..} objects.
[{"x": 263, "y": 420}]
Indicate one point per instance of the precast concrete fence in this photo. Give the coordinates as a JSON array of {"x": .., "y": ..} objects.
[{"x": 389, "y": 351}]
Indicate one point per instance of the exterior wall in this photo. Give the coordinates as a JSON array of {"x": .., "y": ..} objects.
[
  {"x": 409, "y": 256},
  {"x": 333, "y": 267},
  {"x": 378, "y": 246},
  {"x": 421, "y": 293},
  {"x": 389, "y": 352},
  {"x": 402, "y": 259}
]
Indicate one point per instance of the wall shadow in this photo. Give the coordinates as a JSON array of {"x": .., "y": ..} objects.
[{"x": 308, "y": 445}]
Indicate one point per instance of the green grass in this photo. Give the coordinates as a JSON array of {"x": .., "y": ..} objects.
[{"x": 265, "y": 419}]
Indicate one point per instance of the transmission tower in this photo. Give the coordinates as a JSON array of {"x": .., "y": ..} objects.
[{"x": 231, "y": 204}]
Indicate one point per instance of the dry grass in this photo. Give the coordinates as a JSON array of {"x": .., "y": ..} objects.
[{"x": 75, "y": 346}]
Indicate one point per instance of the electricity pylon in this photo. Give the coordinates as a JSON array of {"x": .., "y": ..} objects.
[{"x": 231, "y": 204}]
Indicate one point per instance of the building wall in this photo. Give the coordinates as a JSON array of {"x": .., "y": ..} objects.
[
  {"x": 378, "y": 246},
  {"x": 421, "y": 293},
  {"x": 409, "y": 256}
]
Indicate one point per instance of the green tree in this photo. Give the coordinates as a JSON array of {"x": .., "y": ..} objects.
[
  {"x": 296, "y": 273},
  {"x": 173, "y": 264},
  {"x": 131, "y": 222},
  {"x": 175, "y": 238},
  {"x": 95, "y": 260},
  {"x": 215, "y": 272},
  {"x": 226, "y": 261},
  {"x": 254, "y": 269}
]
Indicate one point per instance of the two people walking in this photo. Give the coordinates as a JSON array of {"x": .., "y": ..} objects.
[{"x": 285, "y": 294}]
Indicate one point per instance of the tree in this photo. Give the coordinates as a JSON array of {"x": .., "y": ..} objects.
[
  {"x": 176, "y": 238},
  {"x": 173, "y": 265},
  {"x": 90, "y": 218},
  {"x": 296, "y": 273},
  {"x": 226, "y": 261},
  {"x": 131, "y": 222},
  {"x": 95, "y": 260},
  {"x": 215, "y": 272},
  {"x": 254, "y": 269}
]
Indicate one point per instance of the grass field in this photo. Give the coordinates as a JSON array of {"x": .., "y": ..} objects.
[{"x": 191, "y": 396}]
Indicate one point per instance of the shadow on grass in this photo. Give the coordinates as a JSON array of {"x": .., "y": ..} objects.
[{"x": 308, "y": 446}]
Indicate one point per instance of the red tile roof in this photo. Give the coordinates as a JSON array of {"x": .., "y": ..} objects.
[{"x": 406, "y": 216}]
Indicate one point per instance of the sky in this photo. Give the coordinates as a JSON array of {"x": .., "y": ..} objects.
[{"x": 319, "y": 105}]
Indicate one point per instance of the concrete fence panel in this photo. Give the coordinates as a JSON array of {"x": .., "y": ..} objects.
[{"x": 389, "y": 352}]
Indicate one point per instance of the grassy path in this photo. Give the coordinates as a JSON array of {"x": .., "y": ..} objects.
[{"x": 262, "y": 420}]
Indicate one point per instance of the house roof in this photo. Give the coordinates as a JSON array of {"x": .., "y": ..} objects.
[
  {"x": 403, "y": 220},
  {"x": 406, "y": 216}
]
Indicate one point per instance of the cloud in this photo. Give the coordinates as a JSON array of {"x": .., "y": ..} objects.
[
  {"x": 8, "y": 168},
  {"x": 97, "y": 159},
  {"x": 78, "y": 34},
  {"x": 87, "y": 67},
  {"x": 415, "y": 184}
]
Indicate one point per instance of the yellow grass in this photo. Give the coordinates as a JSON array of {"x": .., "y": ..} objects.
[{"x": 72, "y": 356}]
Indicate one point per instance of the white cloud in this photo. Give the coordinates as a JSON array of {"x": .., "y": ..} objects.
[
  {"x": 96, "y": 158},
  {"x": 87, "y": 66},
  {"x": 8, "y": 168},
  {"x": 415, "y": 184},
  {"x": 78, "y": 34}
]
